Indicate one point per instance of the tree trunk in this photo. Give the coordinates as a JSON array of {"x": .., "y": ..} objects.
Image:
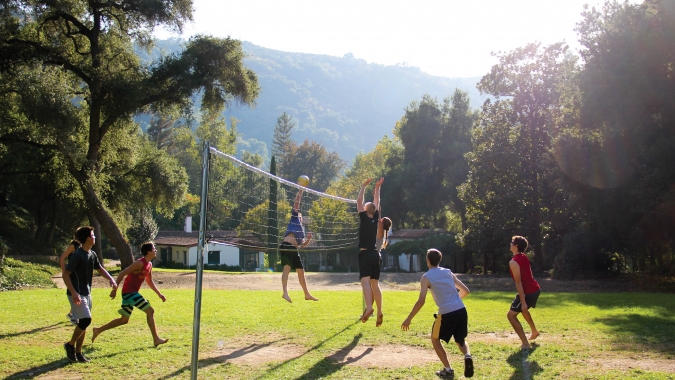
[
  {"x": 485, "y": 262},
  {"x": 40, "y": 221},
  {"x": 98, "y": 247},
  {"x": 107, "y": 223},
  {"x": 52, "y": 225}
]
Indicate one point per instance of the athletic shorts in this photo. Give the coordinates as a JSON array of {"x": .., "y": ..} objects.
[
  {"x": 290, "y": 255},
  {"x": 131, "y": 300},
  {"x": 369, "y": 264},
  {"x": 454, "y": 323},
  {"x": 531, "y": 300},
  {"x": 83, "y": 310}
]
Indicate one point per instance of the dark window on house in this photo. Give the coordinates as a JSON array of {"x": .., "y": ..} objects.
[{"x": 214, "y": 258}]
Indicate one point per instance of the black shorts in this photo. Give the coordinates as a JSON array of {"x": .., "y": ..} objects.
[
  {"x": 451, "y": 324},
  {"x": 290, "y": 255},
  {"x": 531, "y": 300},
  {"x": 369, "y": 264}
]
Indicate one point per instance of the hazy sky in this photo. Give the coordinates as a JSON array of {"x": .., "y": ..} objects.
[{"x": 442, "y": 37}]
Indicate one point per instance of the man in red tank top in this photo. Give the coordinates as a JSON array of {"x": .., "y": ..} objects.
[
  {"x": 528, "y": 290},
  {"x": 137, "y": 273}
]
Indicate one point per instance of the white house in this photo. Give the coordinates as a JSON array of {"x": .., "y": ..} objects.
[{"x": 224, "y": 247}]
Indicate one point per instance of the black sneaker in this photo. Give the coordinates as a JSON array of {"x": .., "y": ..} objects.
[
  {"x": 445, "y": 373},
  {"x": 70, "y": 352},
  {"x": 468, "y": 366},
  {"x": 81, "y": 358}
]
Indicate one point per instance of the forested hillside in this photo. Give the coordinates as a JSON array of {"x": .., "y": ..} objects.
[{"x": 344, "y": 103}]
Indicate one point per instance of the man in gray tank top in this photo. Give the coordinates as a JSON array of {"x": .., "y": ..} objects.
[{"x": 452, "y": 319}]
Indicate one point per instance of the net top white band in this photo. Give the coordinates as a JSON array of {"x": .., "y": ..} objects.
[{"x": 275, "y": 178}]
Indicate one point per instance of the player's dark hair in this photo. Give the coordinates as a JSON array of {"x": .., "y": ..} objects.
[
  {"x": 83, "y": 233},
  {"x": 147, "y": 247},
  {"x": 434, "y": 256},
  {"x": 386, "y": 224},
  {"x": 519, "y": 242}
]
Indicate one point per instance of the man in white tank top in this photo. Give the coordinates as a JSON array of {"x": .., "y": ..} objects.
[{"x": 452, "y": 319}]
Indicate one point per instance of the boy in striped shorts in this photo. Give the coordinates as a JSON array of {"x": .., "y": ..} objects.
[{"x": 136, "y": 273}]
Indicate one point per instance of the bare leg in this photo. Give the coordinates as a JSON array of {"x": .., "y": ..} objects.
[
  {"x": 440, "y": 351},
  {"x": 465, "y": 348},
  {"x": 80, "y": 341},
  {"x": 368, "y": 296},
  {"x": 303, "y": 283},
  {"x": 377, "y": 297},
  {"x": 110, "y": 325},
  {"x": 150, "y": 316},
  {"x": 76, "y": 336},
  {"x": 513, "y": 318},
  {"x": 530, "y": 321},
  {"x": 284, "y": 282}
]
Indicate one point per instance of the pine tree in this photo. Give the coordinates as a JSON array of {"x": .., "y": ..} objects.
[{"x": 282, "y": 142}]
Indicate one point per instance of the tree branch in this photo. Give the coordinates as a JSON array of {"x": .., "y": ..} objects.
[
  {"x": 12, "y": 139},
  {"x": 51, "y": 57}
]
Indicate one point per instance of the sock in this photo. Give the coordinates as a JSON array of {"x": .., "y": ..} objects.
[
  {"x": 448, "y": 369},
  {"x": 467, "y": 355}
]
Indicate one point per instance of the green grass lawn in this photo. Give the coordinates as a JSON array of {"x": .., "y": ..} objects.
[{"x": 580, "y": 331}]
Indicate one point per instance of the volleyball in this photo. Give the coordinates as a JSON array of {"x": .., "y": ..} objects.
[{"x": 303, "y": 180}]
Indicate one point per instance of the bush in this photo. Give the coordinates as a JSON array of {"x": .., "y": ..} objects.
[
  {"x": 18, "y": 274},
  {"x": 312, "y": 268},
  {"x": 223, "y": 267},
  {"x": 340, "y": 268},
  {"x": 173, "y": 265}
]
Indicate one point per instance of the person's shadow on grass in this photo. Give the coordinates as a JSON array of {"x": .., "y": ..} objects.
[
  {"x": 56, "y": 364},
  {"x": 524, "y": 368},
  {"x": 329, "y": 365},
  {"x": 33, "y": 331},
  {"x": 223, "y": 358}
]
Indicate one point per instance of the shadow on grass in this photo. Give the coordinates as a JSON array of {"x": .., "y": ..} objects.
[
  {"x": 649, "y": 332},
  {"x": 524, "y": 368},
  {"x": 316, "y": 347},
  {"x": 329, "y": 365},
  {"x": 203, "y": 363},
  {"x": 33, "y": 331},
  {"x": 56, "y": 364},
  {"x": 223, "y": 358}
]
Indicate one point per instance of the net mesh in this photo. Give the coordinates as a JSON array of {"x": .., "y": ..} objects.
[{"x": 251, "y": 208}]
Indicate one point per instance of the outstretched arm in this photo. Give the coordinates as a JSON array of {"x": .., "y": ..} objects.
[
  {"x": 359, "y": 201},
  {"x": 418, "y": 305},
  {"x": 376, "y": 193},
  {"x": 296, "y": 204}
]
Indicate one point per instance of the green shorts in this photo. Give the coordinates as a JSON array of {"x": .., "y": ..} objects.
[{"x": 131, "y": 300}]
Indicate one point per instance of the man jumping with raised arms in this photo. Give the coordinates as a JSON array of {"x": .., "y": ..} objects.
[
  {"x": 290, "y": 257},
  {"x": 369, "y": 257}
]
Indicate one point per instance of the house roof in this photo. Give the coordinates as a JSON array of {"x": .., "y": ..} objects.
[
  {"x": 415, "y": 233},
  {"x": 191, "y": 239}
]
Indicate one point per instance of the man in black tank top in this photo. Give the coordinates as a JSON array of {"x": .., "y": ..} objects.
[{"x": 369, "y": 257}]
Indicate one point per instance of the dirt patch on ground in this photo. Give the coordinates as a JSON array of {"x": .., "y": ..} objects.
[
  {"x": 388, "y": 356},
  {"x": 350, "y": 281},
  {"x": 622, "y": 364}
]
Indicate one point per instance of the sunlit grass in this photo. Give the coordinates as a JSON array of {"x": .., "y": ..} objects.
[{"x": 576, "y": 327}]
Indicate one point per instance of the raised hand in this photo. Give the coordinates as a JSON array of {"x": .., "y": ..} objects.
[{"x": 379, "y": 182}]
